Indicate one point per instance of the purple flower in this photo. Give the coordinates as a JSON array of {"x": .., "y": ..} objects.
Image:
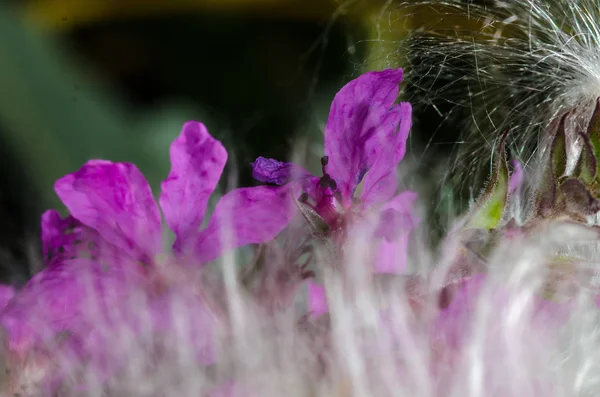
[
  {"x": 105, "y": 252},
  {"x": 115, "y": 200},
  {"x": 52, "y": 302},
  {"x": 365, "y": 140}
]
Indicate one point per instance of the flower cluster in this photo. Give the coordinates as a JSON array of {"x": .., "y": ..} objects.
[
  {"x": 118, "y": 310},
  {"x": 109, "y": 247}
]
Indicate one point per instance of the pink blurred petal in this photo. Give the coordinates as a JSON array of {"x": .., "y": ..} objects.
[
  {"x": 517, "y": 177},
  {"x": 68, "y": 298},
  {"x": 452, "y": 325},
  {"x": 7, "y": 292},
  {"x": 229, "y": 388},
  {"x": 391, "y": 255},
  {"x": 454, "y": 322},
  {"x": 185, "y": 315},
  {"x": 317, "y": 299}
]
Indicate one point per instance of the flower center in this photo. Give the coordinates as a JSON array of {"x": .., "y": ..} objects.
[{"x": 326, "y": 198}]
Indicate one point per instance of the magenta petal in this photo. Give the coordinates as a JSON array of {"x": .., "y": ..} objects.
[
  {"x": 58, "y": 237},
  {"x": 245, "y": 216},
  {"x": 7, "y": 292},
  {"x": 169, "y": 317},
  {"x": 452, "y": 324},
  {"x": 53, "y": 230},
  {"x": 517, "y": 177},
  {"x": 199, "y": 328},
  {"x": 396, "y": 223},
  {"x": 381, "y": 181},
  {"x": 68, "y": 238},
  {"x": 197, "y": 162},
  {"x": 363, "y": 120},
  {"x": 229, "y": 388},
  {"x": 115, "y": 200},
  {"x": 70, "y": 298},
  {"x": 392, "y": 256},
  {"x": 397, "y": 215},
  {"x": 317, "y": 299}
]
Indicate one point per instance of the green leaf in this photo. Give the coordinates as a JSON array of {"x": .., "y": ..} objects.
[
  {"x": 489, "y": 207},
  {"x": 546, "y": 196},
  {"x": 593, "y": 133},
  {"x": 558, "y": 153},
  {"x": 578, "y": 199},
  {"x": 585, "y": 170}
]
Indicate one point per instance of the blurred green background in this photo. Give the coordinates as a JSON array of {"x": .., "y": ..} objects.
[{"x": 116, "y": 79}]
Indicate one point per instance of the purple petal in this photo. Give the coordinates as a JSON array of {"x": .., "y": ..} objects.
[
  {"x": 278, "y": 282},
  {"x": 115, "y": 200},
  {"x": 58, "y": 241},
  {"x": 277, "y": 172},
  {"x": 7, "y": 292},
  {"x": 317, "y": 299},
  {"x": 95, "y": 310},
  {"x": 392, "y": 256},
  {"x": 230, "y": 388},
  {"x": 396, "y": 223},
  {"x": 169, "y": 319},
  {"x": 197, "y": 162},
  {"x": 453, "y": 324},
  {"x": 402, "y": 207},
  {"x": 54, "y": 230},
  {"x": 517, "y": 177},
  {"x": 71, "y": 297},
  {"x": 363, "y": 120},
  {"x": 453, "y": 330},
  {"x": 381, "y": 181},
  {"x": 244, "y": 216},
  {"x": 68, "y": 238},
  {"x": 392, "y": 223},
  {"x": 174, "y": 315}
]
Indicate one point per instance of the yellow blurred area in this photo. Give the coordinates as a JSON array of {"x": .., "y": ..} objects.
[
  {"x": 60, "y": 15},
  {"x": 63, "y": 14},
  {"x": 386, "y": 22}
]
